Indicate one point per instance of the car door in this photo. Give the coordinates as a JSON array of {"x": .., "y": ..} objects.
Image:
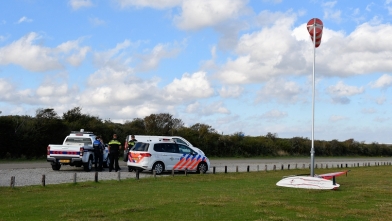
[
  {"x": 169, "y": 154},
  {"x": 188, "y": 159}
]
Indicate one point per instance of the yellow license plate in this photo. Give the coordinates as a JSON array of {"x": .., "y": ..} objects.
[{"x": 64, "y": 161}]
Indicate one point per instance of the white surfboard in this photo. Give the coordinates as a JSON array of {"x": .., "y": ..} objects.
[{"x": 307, "y": 182}]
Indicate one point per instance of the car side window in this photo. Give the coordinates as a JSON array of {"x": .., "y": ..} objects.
[
  {"x": 179, "y": 141},
  {"x": 184, "y": 149}
]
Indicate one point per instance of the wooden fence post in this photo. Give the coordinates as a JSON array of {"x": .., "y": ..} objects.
[{"x": 43, "y": 180}]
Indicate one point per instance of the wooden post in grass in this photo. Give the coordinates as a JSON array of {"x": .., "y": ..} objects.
[
  {"x": 43, "y": 180},
  {"x": 274, "y": 167},
  {"x": 321, "y": 166},
  {"x": 288, "y": 167},
  {"x": 296, "y": 166},
  {"x": 213, "y": 170},
  {"x": 326, "y": 166},
  {"x": 282, "y": 167},
  {"x": 12, "y": 184},
  {"x": 186, "y": 171},
  {"x": 225, "y": 169},
  {"x": 258, "y": 168},
  {"x": 247, "y": 169},
  {"x": 154, "y": 173},
  {"x": 137, "y": 174},
  {"x": 74, "y": 178},
  {"x": 96, "y": 176},
  {"x": 118, "y": 176},
  {"x": 236, "y": 169}
]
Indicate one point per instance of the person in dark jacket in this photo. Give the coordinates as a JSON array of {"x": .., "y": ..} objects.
[
  {"x": 130, "y": 143},
  {"x": 114, "y": 149},
  {"x": 98, "y": 153}
]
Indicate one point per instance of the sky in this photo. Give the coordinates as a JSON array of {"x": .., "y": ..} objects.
[{"x": 236, "y": 65}]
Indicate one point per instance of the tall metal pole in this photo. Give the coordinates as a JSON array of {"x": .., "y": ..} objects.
[{"x": 313, "y": 95}]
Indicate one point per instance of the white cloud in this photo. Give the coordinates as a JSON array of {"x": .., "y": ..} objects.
[
  {"x": 384, "y": 81},
  {"x": 274, "y": 115},
  {"x": 189, "y": 87},
  {"x": 205, "y": 13},
  {"x": 158, "y": 4},
  {"x": 152, "y": 58},
  {"x": 231, "y": 91},
  {"x": 24, "y": 19},
  {"x": 96, "y": 21},
  {"x": 77, "y": 4},
  {"x": 38, "y": 58},
  {"x": 335, "y": 118},
  {"x": 340, "y": 89},
  {"x": 281, "y": 90}
]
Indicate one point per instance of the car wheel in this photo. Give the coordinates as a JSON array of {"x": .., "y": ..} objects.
[
  {"x": 56, "y": 166},
  {"x": 89, "y": 165},
  {"x": 130, "y": 169},
  {"x": 202, "y": 167},
  {"x": 158, "y": 167}
]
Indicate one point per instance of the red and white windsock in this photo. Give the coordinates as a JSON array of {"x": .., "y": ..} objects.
[{"x": 315, "y": 25}]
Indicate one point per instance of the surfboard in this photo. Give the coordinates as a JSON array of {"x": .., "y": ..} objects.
[{"x": 307, "y": 182}]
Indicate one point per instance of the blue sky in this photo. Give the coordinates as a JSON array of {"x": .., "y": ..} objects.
[{"x": 236, "y": 65}]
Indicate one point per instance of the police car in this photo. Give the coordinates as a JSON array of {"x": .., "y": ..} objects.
[{"x": 164, "y": 155}]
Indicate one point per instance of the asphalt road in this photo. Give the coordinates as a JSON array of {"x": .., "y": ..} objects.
[{"x": 243, "y": 162}]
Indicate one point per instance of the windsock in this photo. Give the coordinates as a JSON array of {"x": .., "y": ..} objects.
[{"x": 315, "y": 25}]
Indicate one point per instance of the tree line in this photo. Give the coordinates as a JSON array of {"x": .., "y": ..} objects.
[{"x": 26, "y": 137}]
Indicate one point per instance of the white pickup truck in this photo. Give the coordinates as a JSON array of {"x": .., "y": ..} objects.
[{"x": 77, "y": 150}]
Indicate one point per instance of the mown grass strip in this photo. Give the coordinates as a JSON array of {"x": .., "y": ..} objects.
[{"x": 365, "y": 194}]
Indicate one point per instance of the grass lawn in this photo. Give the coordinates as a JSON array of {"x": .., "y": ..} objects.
[{"x": 365, "y": 194}]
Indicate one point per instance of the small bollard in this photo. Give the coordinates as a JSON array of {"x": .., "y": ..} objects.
[
  {"x": 43, "y": 180},
  {"x": 266, "y": 167},
  {"x": 316, "y": 165},
  {"x": 346, "y": 165},
  {"x": 154, "y": 173},
  {"x": 303, "y": 166},
  {"x": 326, "y": 166},
  {"x": 296, "y": 166},
  {"x": 213, "y": 170},
  {"x": 321, "y": 166},
  {"x": 258, "y": 168},
  {"x": 288, "y": 167},
  {"x": 186, "y": 171},
  {"x": 282, "y": 167},
  {"x": 96, "y": 177},
  {"x": 236, "y": 169},
  {"x": 274, "y": 167},
  {"x": 172, "y": 172},
  {"x": 118, "y": 176},
  {"x": 74, "y": 178},
  {"x": 137, "y": 174},
  {"x": 225, "y": 169},
  {"x": 341, "y": 165},
  {"x": 12, "y": 184},
  {"x": 247, "y": 169}
]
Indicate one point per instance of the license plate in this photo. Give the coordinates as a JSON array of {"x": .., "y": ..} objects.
[{"x": 64, "y": 161}]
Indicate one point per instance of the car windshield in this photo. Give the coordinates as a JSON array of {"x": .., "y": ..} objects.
[
  {"x": 73, "y": 140},
  {"x": 140, "y": 146}
]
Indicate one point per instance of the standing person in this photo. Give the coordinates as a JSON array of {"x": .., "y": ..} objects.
[
  {"x": 130, "y": 143},
  {"x": 114, "y": 148},
  {"x": 98, "y": 153}
]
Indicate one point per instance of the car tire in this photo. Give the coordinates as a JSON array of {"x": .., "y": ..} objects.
[
  {"x": 130, "y": 169},
  {"x": 56, "y": 166},
  {"x": 89, "y": 165},
  {"x": 202, "y": 167},
  {"x": 159, "y": 167}
]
